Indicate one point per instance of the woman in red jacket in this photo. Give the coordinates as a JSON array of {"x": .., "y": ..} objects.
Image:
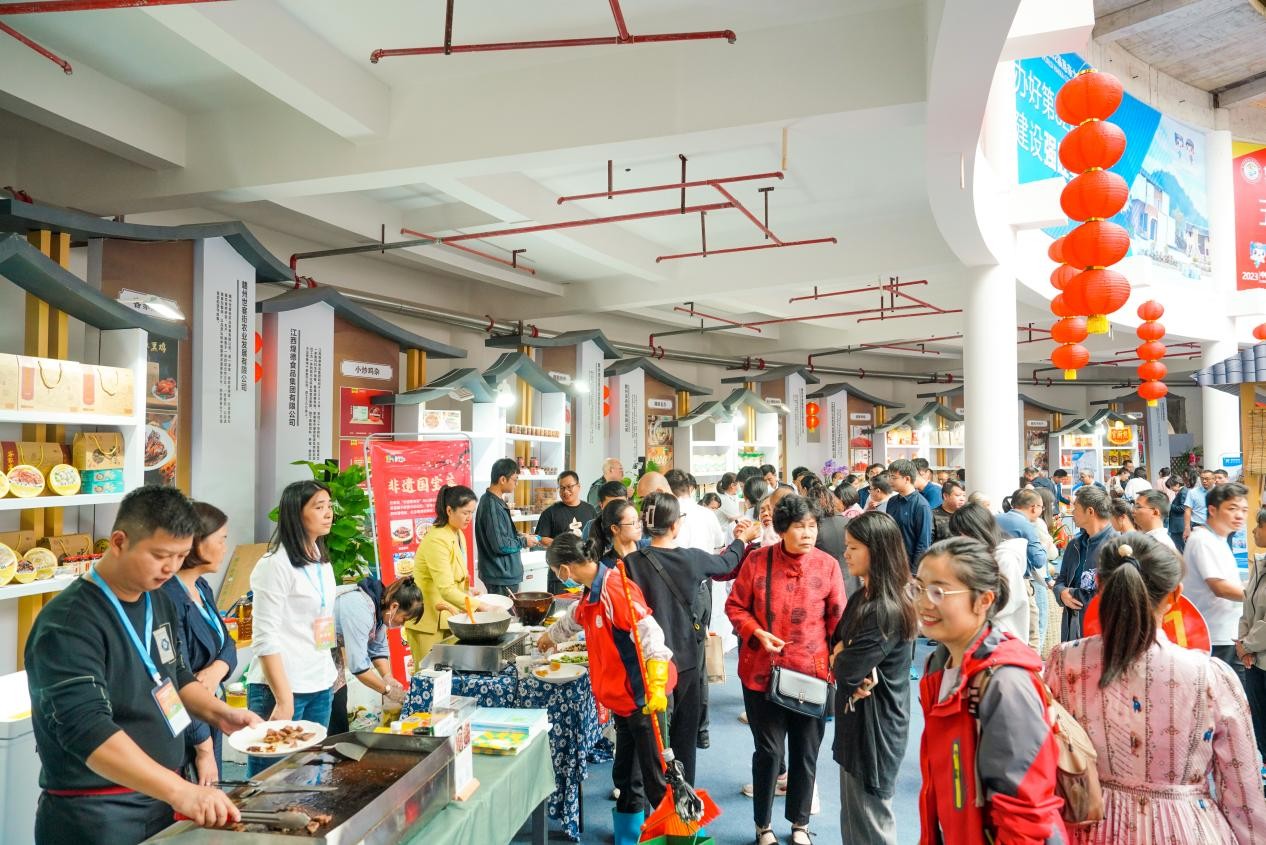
[
  {"x": 791, "y": 625},
  {"x": 988, "y": 759}
]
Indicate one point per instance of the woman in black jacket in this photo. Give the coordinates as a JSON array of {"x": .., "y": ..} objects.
[
  {"x": 872, "y": 672},
  {"x": 669, "y": 577}
]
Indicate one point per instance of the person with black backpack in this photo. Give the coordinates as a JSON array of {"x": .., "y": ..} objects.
[{"x": 669, "y": 577}]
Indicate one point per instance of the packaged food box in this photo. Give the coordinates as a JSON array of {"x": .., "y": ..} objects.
[
  {"x": 25, "y": 481},
  {"x": 94, "y": 481},
  {"x": 8, "y": 564},
  {"x": 64, "y": 480},
  {"x": 44, "y": 561},
  {"x": 42, "y": 456},
  {"x": 112, "y": 391},
  {"x": 20, "y": 541},
  {"x": 65, "y": 546},
  {"x": 8, "y": 382},
  {"x": 95, "y": 450},
  {"x": 49, "y": 384}
]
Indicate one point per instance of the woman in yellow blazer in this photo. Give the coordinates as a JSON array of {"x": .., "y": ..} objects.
[{"x": 439, "y": 569}]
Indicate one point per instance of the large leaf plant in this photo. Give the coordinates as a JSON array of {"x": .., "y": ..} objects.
[{"x": 352, "y": 552}]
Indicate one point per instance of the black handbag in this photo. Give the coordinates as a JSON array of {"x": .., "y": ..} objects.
[{"x": 789, "y": 689}]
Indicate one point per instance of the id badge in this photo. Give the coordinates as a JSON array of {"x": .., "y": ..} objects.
[
  {"x": 170, "y": 705},
  {"x": 323, "y": 632}
]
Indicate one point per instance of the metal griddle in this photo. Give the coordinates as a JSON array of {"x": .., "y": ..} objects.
[
  {"x": 401, "y": 783},
  {"x": 488, "y": 658}
]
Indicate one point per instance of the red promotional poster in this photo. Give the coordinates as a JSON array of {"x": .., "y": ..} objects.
[
  {"x": 1183, "y": 624},
  {"x": 359, "y": 416},
  {"x": 1249, "y": 181},
  {"x": 404, "y": 477}
]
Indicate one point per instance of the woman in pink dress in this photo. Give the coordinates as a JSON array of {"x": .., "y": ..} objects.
[{"x": 1162, "y": 718}]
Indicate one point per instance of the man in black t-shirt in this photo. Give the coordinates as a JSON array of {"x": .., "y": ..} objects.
[
  {"x": 566, "y": 516},
  {"x": 110, "y": 695}
]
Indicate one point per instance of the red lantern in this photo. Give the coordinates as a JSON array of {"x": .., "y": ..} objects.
[
  {"x": 1260, "y": 332},
  {"x": 1061, "y": 308},
  {"x": 812, "y": 409},
  {"x": 1069, "y": 330},
  {"x": 1152, "y": 371},
  {"x": 1151, "y": 330},
  {"x": 1095, "y": 194},
  {"x": 1097, "y": 243},
  {"x": 1075, "y": 296},
  {"x": 1070, "y": 358},
  {"x": 1090, "y": 95},
  {"x": 1152, "y": 350},
  {"x": 1151, "y": 310},
  {"x": 1062, "y": 275},
  {"x": 1094, "y": 144},
  {"x": 1152, "y": 391},
  {"x": 1105, "y": 292},
  {"x": 1055, "y": 250}
]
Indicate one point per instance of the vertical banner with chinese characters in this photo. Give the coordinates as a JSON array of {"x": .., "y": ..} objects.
[
  {"x": 404, "y": 478},
  {"x": 797, "y": 445},
  {"x": 1249, "y": 180},
  {"x": 627, "y": 432},
  {"x": 587, "y": 447},
  {"x": 296, "y": 396},
  {"x": 223, "y": 389}
]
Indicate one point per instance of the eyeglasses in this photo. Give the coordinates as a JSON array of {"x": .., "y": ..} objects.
[
  {"x": 935, "y": 594},
  {"x": 628, "y": 524},
  {"x": 569, "y": 487}
]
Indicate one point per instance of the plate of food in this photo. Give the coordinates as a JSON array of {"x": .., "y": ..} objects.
[
  {"x": 573, "y": 646},
  {"x": 278, "y": 738},
  {"x": 160, "y": 449},
  {"x": 164, "y": 390},
  {"x": 558, "y": 672}
]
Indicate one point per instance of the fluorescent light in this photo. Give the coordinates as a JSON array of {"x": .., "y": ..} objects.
[
  {"x": 506, "y": 399},
  {"x": 580, "y": 386}
]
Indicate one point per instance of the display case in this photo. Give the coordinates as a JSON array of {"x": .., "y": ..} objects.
[
  {"x": 848, "y": 417},
  {"x": 1039, "y": 419},
  {"x": 650, "y": 400},
  {"x": 935, "y": 433},
  {"x": 784, "y": 388},
  {"x": 1099, "y": 443}
]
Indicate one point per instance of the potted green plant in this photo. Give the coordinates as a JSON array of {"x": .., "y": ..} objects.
[{"x": 352, "y": 552}]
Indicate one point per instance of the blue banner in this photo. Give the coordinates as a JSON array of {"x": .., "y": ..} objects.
[{"x": 1164, "y": 165}]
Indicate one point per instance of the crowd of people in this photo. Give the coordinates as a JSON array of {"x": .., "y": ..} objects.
[{"x": 830, "y": 583}]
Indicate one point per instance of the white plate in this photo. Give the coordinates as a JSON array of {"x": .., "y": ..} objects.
[
  {"x": 503, "y": 602},
  {"x": 246, "y": 737},
  {"x": 168, "y": 444},
  {"x": 565, "y": 674}
]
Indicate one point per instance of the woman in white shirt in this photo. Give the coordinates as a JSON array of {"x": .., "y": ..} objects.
[
  {"x": 293, "y": 672},
  {"x": 979, "y": 524}
]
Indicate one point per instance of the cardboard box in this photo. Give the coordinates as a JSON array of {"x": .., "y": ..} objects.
[
  {"x": 49, "y": 384},
  {"x": 8, "y": 382},
  {"x": 93, "y": 450},
  {"x": 113, "y": 387},
  {"x": 20, "y": 541},
  {"x": 94, "y": 481},
  {"x": 67, "y": 545},
  {"x": 237, "y": 575},
  {"x": 42, "y": 456}
]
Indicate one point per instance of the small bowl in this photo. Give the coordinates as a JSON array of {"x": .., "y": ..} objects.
[{"x": 532, "y": 608}]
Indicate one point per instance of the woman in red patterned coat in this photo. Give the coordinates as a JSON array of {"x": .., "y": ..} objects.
[{"x": 785, "y": 605}]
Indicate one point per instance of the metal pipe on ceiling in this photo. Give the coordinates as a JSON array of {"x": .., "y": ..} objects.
[
  {"x": 675, "y": 186},
  {"x": 45, "y": 6},
  {"x": 868, "y": 289},
  {"x": 574, "y": 224},
  {"x": 37, "y": 47},
  {"x": 706, "y": 253}
]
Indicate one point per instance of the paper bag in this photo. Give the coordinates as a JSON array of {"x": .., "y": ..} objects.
[
  {"x": 714, "y": 658},
  {"x": 97, "y": 450}
]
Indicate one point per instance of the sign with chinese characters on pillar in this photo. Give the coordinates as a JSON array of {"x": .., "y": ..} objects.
[
  {"x": 404, "y": 478},
  {"x": 627, "y": 430},
  {"x": 1249, "y": 181},
  {"x": 797, "y": 446},
  {"x": 587, "y": 448},
  {"x": 296, "y": 398}
]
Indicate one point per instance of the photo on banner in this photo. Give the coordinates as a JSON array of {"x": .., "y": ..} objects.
[
  {"x": 404, "y": 478},
  {"x": 1248, "y": 179},
  {"x": 1167, "y": 214}
]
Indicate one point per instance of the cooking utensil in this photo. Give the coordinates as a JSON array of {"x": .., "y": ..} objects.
[
  {"x": 286, "y": 819},
  {"x": 350, "y": 750},
  {"x": 481, "y": 627},
  {"x": 470, "y": 608},
  {"x": 532, "y": 608}
]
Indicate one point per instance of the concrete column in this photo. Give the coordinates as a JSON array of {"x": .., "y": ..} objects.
[
  {"x": 1220, "y": 411},
  {"x": 1218, "y": 164},
  {"x": 989, "y": 378}
]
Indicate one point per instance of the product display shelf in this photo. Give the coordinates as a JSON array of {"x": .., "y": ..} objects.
[
  {"x": 51, "y": 418},
  {"x": 15, "y": 590},
  {"x": 10, "y": 503},
  {"x": 531, "y": 438}
]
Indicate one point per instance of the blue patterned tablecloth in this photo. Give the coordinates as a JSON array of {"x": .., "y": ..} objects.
[{"x": 575, "y": 736}]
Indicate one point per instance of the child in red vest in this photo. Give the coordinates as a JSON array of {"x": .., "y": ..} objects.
[{"x": 604, "y": 614}]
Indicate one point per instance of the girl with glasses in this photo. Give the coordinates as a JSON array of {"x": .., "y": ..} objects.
[
  {"x": 871, "y": 664},
  {"x": 987, "y": 753},
  {"x": 619, "y": 532}
]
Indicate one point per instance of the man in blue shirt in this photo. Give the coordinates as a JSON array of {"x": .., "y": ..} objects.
[
  {"x": 1086, "y": 478},
  {"x": 1195, "y": 511},
  {"x": 1021, "y": 521},
  {"x": 910, "y": 510},
  {"x": 923, "y": 482},
  {"x": 498, "y": 544}
]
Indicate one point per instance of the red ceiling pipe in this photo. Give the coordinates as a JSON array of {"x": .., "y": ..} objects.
[
  {"x": 39, "y": 48},
  {"x": 620, "y": 25},
  {"x": 823, "y": 316},
  {"x": 90, "y": 5},
  {"x": 693, "y": 313},
  {"x": 745, "y": 248},
  {"x": 609, "y": 41},
  {"x": 885, "y": 311},
  {"x": 575, "y": 224},
  {"x": 924, "y": 303},
  {"x": 509, "y": 262},
  {"x": 870, "y": 289},
  {"x": 676, "y": 186},
  {"x": 755, "y": 221}
]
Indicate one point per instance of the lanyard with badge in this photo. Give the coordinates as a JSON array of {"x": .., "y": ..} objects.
[
  {"x": 323, "y": 636},
  {"x": 212, "y": 618},
  {"x": 164, "y": 691}
]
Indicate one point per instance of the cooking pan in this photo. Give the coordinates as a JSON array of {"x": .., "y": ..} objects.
[
  {"x": 532, "y": 608},
  {"x": 486, "y": 627}
]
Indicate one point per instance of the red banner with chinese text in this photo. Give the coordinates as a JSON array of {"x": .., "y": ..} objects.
[
  {"x": 404, "y": 478},
  {"x": 1249, "y": 181}
]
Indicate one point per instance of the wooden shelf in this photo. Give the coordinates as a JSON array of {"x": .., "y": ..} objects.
[
  {"x": 14, "y": 590},
  {"x": 54, "y": 418},
  {"x": 531, "y": 438},
  {"x": 10, "y": 503}
]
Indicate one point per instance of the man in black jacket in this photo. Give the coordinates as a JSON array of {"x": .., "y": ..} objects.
[
  {"x": 1075, "y": 586},
  {"x": 498, "y": 544}
]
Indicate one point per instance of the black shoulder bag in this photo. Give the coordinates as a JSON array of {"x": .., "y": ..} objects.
[
  {"x": 696, "y": 611},
  {"x": 791, "y": 690}
]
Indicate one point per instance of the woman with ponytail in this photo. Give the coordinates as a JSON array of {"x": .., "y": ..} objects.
[
  {"x": 1163, "y": 718},
  {"x": 988, "y": 752},
  {"x": 439, "y": 568}
]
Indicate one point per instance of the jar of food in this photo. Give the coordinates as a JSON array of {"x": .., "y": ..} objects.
[{"x": 235, "y": 695}]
